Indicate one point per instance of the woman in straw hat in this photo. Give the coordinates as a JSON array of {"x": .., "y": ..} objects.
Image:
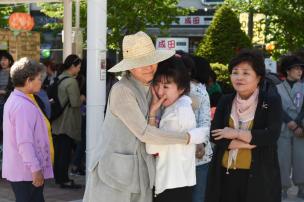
[{"x": 121, "y": 169}]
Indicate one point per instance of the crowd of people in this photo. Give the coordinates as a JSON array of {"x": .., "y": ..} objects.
[{"x": 175, "y": 135}]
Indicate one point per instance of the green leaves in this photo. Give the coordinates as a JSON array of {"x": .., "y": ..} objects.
[
  {"x": 124, "y": 16},
  {"x": 284, "y": 24},
  {"x": 224, "y": 37}
]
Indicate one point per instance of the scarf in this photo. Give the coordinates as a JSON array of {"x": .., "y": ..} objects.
[{"x": 242, "y": 113}]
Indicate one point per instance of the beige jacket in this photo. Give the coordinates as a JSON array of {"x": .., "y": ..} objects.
[{"x": 69, "y": 122}]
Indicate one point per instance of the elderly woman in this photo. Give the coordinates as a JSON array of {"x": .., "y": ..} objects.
[
  {"x": 245, "y": 130},
  {"x": 291, "y": 141},
  {"x": 26, "y": 146},
  {"x": 121, "y": 169}
]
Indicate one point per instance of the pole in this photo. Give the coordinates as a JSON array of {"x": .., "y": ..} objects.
[
  {"x": 77, "y": 10},
  {"x": 96, "y": 72},
  {"x": 250, "y": 21},
  {"x": 67, "y": 28}
]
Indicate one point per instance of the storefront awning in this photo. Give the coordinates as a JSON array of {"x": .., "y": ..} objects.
[{"x": 27, "y": 1}]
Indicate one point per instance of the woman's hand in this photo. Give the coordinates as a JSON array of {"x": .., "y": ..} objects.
[
  {"x": 38, "y": 179},
  {"x": 298, "y": 132},
  {"x": 238, "y": 144},
  {"x": 156, "y": 102},
  {"x": 292, "y": 125},
  {"x": 200, "y": 151},
  {"x": 227, "y": 133}
]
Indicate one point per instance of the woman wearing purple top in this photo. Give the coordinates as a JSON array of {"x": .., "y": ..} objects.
[{"x": 26, "y": 148}]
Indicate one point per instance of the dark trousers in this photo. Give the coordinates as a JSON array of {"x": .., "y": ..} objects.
[
  {"x": 27, "y": 192},
  {"x": 234, "y": 185},
  {"x": 182, "y": 194},
  {"x": 62, "y": 158},
  {"x": 81, "y": 146}
]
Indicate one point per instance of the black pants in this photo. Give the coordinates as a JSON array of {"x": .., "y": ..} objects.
[
  {"x": 62, "y": 158},
  {"x": 182, "y": 194},
  {"x": 81, "y": 147},
  {"x": 27, "y": 192},
  {"x": 234, "y": 185}
]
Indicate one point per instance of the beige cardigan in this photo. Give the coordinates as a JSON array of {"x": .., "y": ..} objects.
[{"x": 69, "y": 122}]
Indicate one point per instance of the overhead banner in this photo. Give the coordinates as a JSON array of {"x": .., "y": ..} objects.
[{"x": 164, "y": 43}]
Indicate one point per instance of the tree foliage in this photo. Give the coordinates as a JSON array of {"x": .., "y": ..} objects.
[
  {"x": 224, "y": 37},
  {"x": 283, "y": 22},
  {"x": 124, "y": 16}
]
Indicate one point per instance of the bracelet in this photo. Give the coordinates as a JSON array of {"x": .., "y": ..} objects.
[
  {"x": 188, "y": 138},
  {"x": 151, "y": 117}
]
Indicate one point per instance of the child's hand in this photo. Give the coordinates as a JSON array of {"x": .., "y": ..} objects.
[{"x": 156, "y": 102}]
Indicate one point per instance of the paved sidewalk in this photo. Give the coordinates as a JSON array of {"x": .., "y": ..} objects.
[{"x": 52, "y": 192}]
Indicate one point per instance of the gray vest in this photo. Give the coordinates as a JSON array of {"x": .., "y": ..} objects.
[
  {"x": 122, "y": 160},
  {"x": 292, "y": 102}
]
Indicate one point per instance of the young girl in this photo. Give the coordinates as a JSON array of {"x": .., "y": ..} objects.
[{"x": 175, "y": 164}]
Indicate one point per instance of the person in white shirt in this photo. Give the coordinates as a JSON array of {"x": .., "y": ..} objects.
[{"x": 175, "y": 164}]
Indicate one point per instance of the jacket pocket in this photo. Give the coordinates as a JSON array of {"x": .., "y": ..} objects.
[{"x": 121, "y": 172}]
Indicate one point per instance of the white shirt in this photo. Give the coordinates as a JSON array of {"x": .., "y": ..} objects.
[{"x": 175, "y": 164}]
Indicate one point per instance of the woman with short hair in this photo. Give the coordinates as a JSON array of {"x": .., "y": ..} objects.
[
  {"x": 245, "y": 130},
  {"x": 26, "y": 145},
  {"x": 291, "y": 141}
]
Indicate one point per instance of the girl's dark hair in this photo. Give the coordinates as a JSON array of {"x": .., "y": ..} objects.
[
  {"x": 7, "y": 55},
  {"x": 173, "y": 69},
  {"x": 71, "y": 60},
  {"x": 254, "y": 58}
]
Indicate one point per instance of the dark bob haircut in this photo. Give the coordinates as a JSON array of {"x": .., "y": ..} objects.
[
  {"x": 173, "y": 70},
  {"x": 287, "y": 62},
  {"x": 24, "y": 69},
  {"x": 251, "y": 56},
  {"x": 7, "y": 55},
  {"x": 71, "y": 60}
]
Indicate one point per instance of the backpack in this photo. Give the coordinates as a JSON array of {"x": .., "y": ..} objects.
[{"x": 52, "y": 91}]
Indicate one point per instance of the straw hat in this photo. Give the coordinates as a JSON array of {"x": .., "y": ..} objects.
[{"x": 139, "y": 51}]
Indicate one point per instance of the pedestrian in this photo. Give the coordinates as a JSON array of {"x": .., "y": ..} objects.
[
  {"x": 201, "y": 108},
  {"x": 175, "y": 164},
  {"x": 121, "y": 170},
  {"x": 26, "y": 146},
  {"x": 6, "y": 61},
  {"x": 245, "y": 131},
  {"x": 291, "y": 141},
  {"x": 67, "y": 127}
]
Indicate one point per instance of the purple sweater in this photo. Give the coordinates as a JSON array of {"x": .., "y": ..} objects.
[{"x": 26, "y": 147}]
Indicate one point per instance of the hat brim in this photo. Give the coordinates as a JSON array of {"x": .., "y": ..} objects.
[{"x": 153, "y": 58}]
